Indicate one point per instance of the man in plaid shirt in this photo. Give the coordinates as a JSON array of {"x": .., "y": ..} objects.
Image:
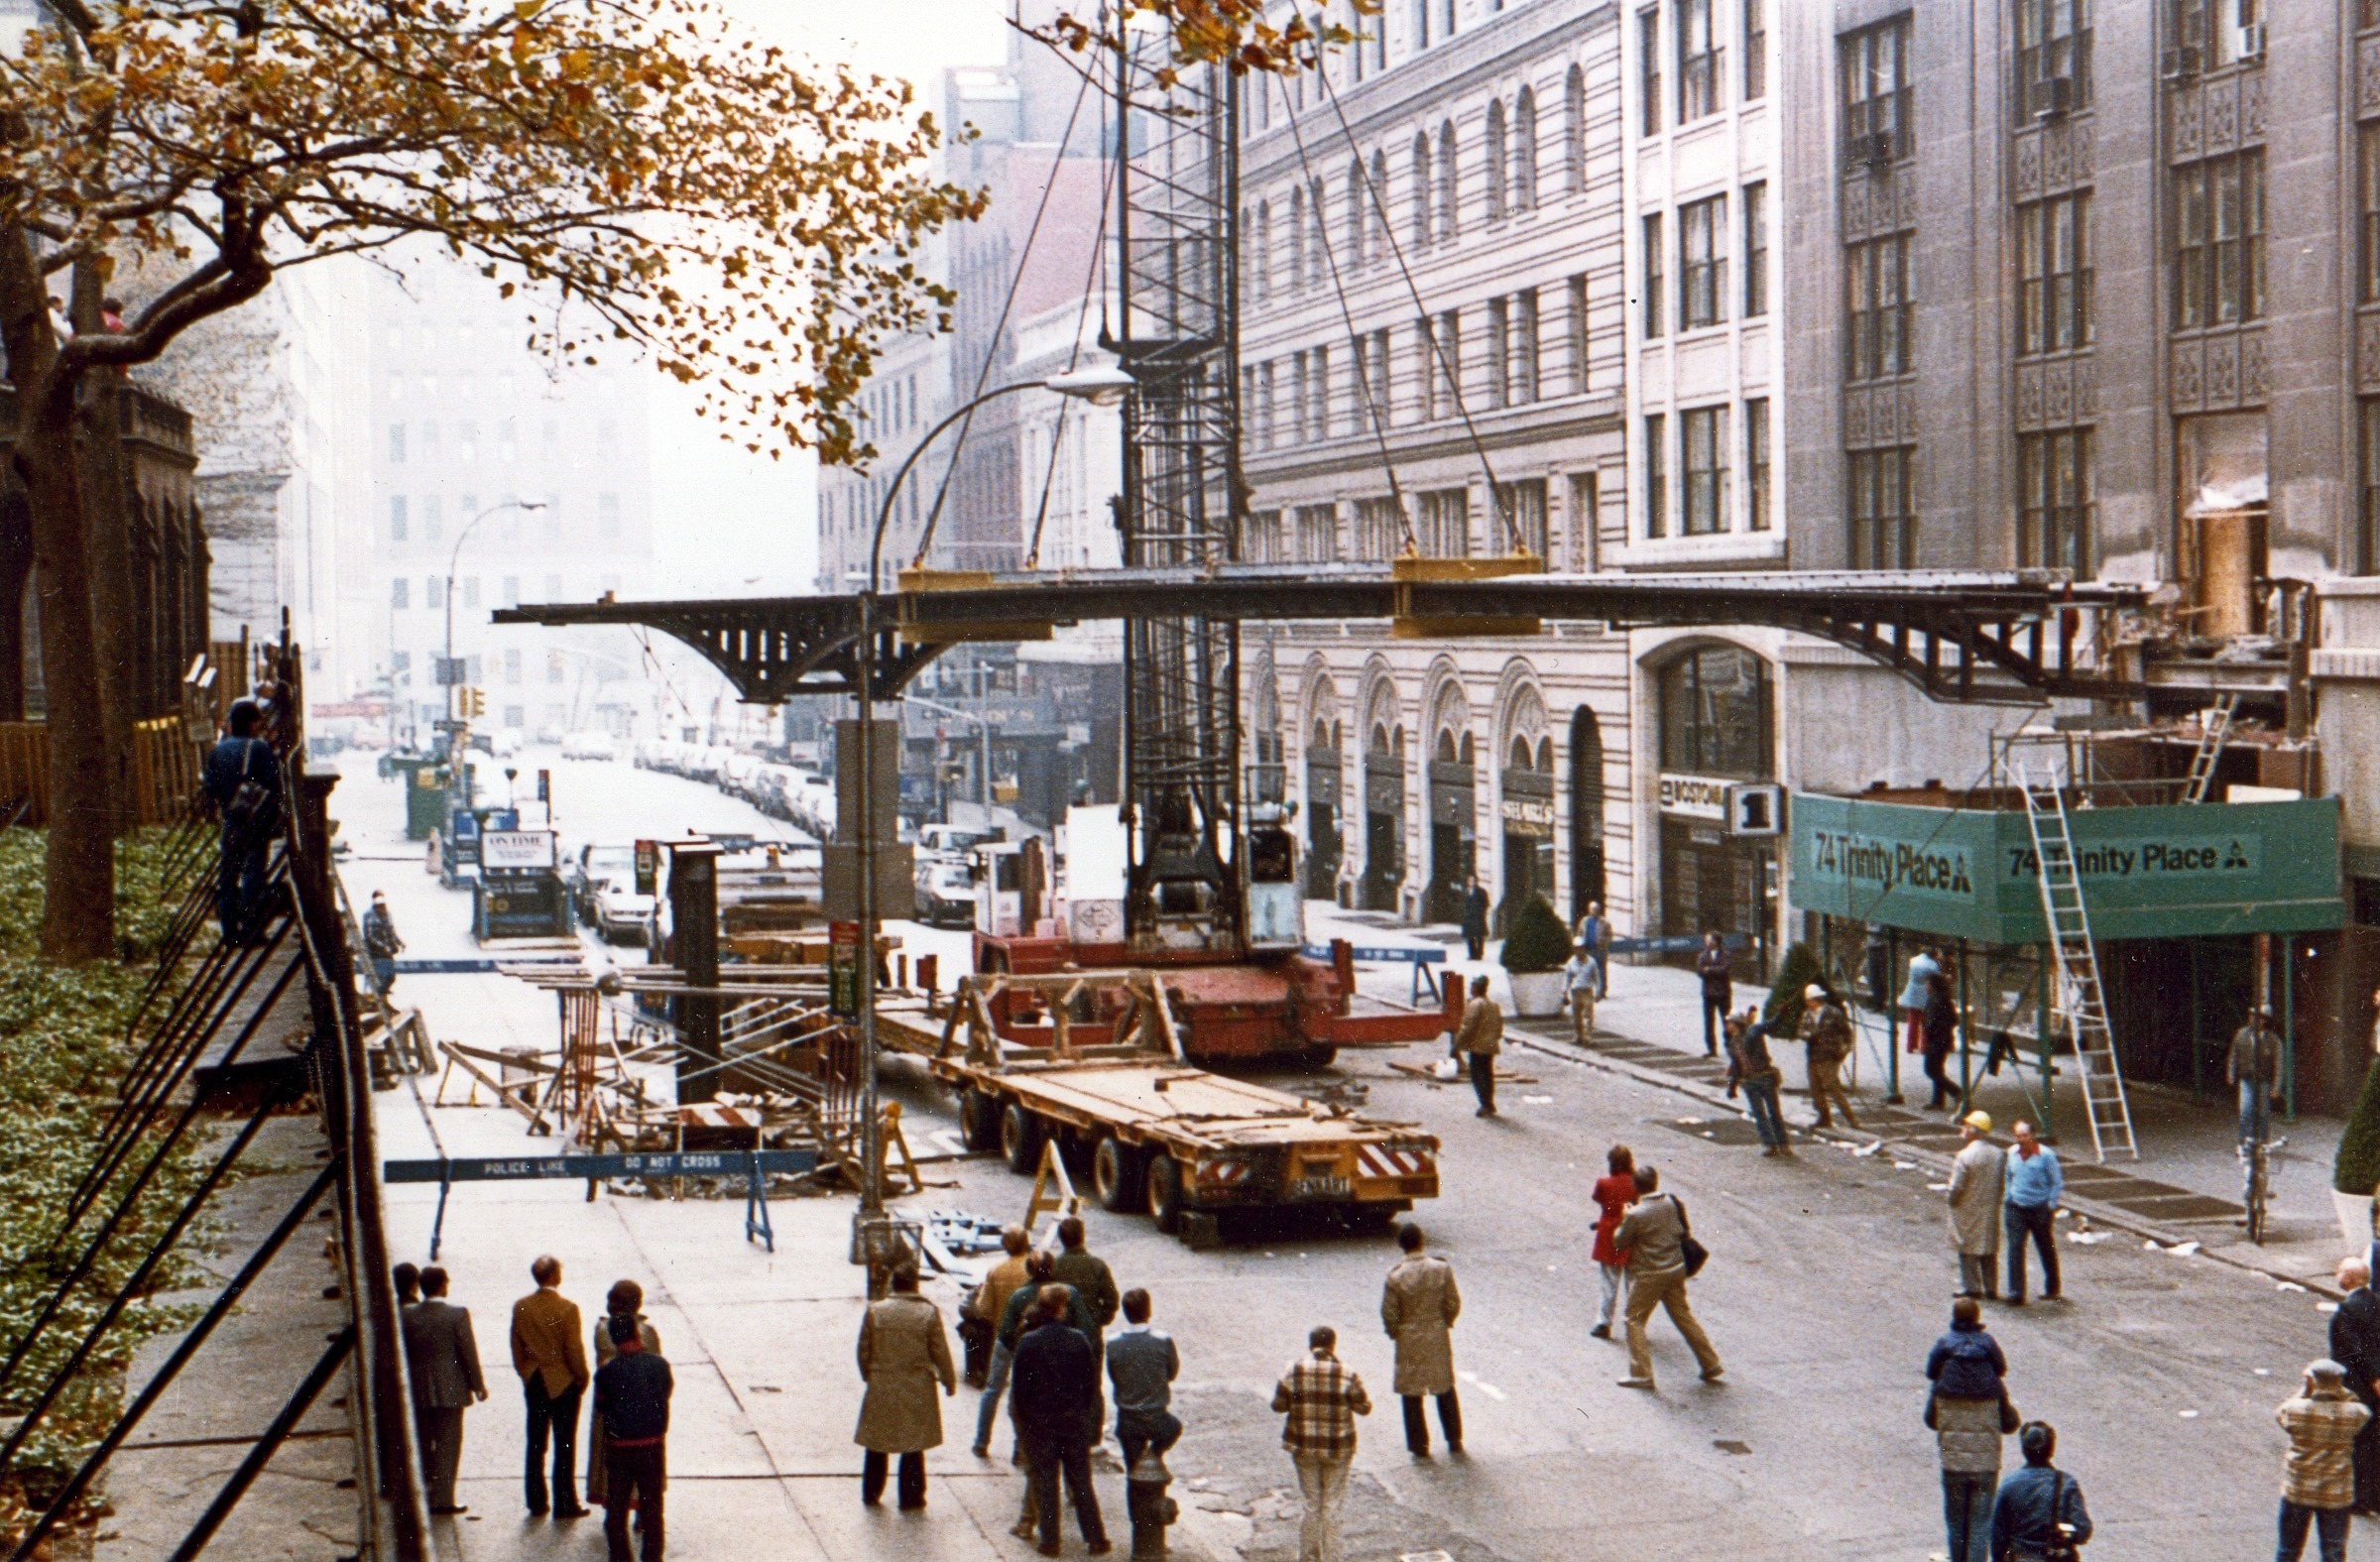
[
  {"x": 1322, "y": 1399},
  {"x": 2318, "y": 1484}
]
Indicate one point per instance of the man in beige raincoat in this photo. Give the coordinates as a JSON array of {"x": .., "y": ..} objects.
[
  {"x": 1976, "y": 1188},
  {"x": 1418, "y": 1307},
  {"x": 904, "y": 1351}
]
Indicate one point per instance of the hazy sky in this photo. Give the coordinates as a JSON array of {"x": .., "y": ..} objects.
[{"x": 742, "y": 525}]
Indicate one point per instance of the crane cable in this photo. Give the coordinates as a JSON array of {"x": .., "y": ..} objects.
[
  {"x": 999, "y": 328},
  {"x": 1453, "y": 380},
  {"x": 1322, "y": 233},
  {"x": 1074, "y": 351}
]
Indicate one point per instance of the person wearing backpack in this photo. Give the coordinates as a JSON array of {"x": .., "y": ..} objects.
[
  {"x": 243, "y": 778},
  {"x": 1969, "y": 1412}
]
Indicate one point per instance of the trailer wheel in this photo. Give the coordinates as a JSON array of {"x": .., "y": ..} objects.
[
  {"x": 979, "y": 1119},
  {"x": 1118, "y": 1177},
  {"x": 1319, "y": 1056},
  {"x": 1021, "y": 1135},
  {"x": 1164, "y": 1184}
]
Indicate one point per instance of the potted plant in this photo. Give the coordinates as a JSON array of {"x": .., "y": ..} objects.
[
  {"x": 1536, "y": 947},
  {"x": 1795, "y": 972},
  {"x": 2355, "y": 1171}
]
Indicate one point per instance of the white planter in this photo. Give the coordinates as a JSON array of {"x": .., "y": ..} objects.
[
  {"x": 1538, "y": 994},
  {"x": 2354, "y": 1219}
]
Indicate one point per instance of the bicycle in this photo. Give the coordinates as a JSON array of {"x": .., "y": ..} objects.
[{"x": 2258, "y": 1157}]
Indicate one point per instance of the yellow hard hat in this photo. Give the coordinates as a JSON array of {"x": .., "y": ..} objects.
[{"x": 1980, "y": 1122}]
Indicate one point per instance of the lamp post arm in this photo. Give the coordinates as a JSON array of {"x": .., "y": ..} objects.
[{"x": 884, "y": 514}]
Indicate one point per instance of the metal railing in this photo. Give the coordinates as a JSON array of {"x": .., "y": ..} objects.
[{"x": 212, "y": 1005}]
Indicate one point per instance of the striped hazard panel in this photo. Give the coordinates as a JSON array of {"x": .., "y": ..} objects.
[{"x": 1383, "y": 1160}]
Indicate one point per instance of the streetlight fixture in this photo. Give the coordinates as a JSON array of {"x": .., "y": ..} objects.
[{"x": 1103, "y": 385}]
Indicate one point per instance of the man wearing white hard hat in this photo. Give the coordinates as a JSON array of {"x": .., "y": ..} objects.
[
  {"x": 1977, "y": 1181},
  {"x": 1825, "y": 1031}
]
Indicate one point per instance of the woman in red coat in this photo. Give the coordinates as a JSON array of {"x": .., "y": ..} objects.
[{"x": 1612, "y": 1194}]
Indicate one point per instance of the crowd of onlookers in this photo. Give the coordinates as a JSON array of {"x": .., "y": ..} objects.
[{"x": 626, "y": 1430}]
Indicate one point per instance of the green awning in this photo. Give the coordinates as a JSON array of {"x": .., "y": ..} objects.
[{"x": 2204, "y": 869}]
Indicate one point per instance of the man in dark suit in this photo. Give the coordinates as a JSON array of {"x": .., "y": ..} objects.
[
  {"x": 2355, "y": 1345},
  {"x": 1050, "y": 1388},
  {"x": 443, "y": 1361}
]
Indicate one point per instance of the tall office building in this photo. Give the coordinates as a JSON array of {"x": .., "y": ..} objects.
[{"x": 469, "y": 429}]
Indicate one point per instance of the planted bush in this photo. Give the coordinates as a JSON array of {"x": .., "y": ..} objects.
[
  {"x": 1536, "y": 939},
  {"x": 2356, "y": 1169},
  {"x": 1795, "y": 972}
]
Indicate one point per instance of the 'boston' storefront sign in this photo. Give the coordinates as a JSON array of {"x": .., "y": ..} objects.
[{"x": 2204, "y": 869}]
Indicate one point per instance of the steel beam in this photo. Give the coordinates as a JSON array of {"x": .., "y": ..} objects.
[{"x": 1969, "y": 635}]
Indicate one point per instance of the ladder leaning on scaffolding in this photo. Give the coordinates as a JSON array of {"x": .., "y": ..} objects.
[
  {"x": 2079, "y": 1001},
  {"x": 2214, "y": 725}
]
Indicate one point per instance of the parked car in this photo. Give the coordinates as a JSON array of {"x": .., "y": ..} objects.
[
  {"x": 953, "y": 840},
  {"x": 945, "y": 893},
  {"x": 602, "y": 884},
  {"x": 588, "y": 744}
]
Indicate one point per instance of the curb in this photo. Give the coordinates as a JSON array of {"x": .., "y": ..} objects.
[{"x": 2100, "y": 1215}]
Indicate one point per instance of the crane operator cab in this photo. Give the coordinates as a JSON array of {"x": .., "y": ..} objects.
[{"x": 1276, "y": 905}]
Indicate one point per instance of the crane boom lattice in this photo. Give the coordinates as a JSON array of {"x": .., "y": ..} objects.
[{"x": 1176, "y": 331}]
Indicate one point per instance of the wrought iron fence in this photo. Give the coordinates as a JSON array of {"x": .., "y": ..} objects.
[{"x": 209, "y": 1005}]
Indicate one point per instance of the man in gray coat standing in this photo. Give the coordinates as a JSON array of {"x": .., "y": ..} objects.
[{"x": 443, "y": 1358}]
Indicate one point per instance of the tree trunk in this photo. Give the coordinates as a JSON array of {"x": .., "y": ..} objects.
[
  {"x": 16, "y": 573},
  {"x": 78, "y": 917},
  {"x": 107, "y": 530}
]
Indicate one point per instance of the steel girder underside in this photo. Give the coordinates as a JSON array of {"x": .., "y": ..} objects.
[{"x": 1982, "y": 637}]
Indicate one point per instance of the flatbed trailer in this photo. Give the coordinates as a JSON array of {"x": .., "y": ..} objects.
[
  {"x": 1285, "y": 1007},
  {"x": 1160, "y": 1135}
]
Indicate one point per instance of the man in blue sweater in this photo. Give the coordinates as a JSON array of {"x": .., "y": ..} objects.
[
  {"x": 631, "y": 1395},
  {"x": 2035, "y": 1187}
]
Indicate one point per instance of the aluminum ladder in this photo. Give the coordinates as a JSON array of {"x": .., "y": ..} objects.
[
  {"x": 2215, "y": 726},
  {"x": 2079, "y": 1001}
]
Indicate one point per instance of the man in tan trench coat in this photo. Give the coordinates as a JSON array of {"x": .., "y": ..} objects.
[
  {"x": 1974, "y": 1198},
  {"x": 903, "y": 1352},
  {"x": 1418, "y": 1307}
]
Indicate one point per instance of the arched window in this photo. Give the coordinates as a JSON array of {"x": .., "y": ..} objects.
[
  {"x": 1524, "y": 152},
  {"x": 1449, "y": 204},
  {"x": 1574, "y": 129},
  {"x": 1355, "y": 214},
  {"x": 1264, "y": 278},
  {"x": 1585, "y": 812},
  {"x": 1377, "y": 196},
  {"x": 1492, "y": 161},
  {"x": 1297, "y": 239},
  {"x": 1421, "y": 190}
]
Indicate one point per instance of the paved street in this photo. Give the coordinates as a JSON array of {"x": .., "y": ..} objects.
[{"x": 1830, "y": 1278}]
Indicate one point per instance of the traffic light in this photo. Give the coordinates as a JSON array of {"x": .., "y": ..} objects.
[{"x": 475, "y": 703}]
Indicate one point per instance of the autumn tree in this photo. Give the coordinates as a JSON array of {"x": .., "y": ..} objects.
[{"x": 690, "y": 195}]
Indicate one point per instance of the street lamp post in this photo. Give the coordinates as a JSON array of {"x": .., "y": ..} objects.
[
  {"x": 458, "y": 753},
  {"x": 1102, "y": 387}
]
